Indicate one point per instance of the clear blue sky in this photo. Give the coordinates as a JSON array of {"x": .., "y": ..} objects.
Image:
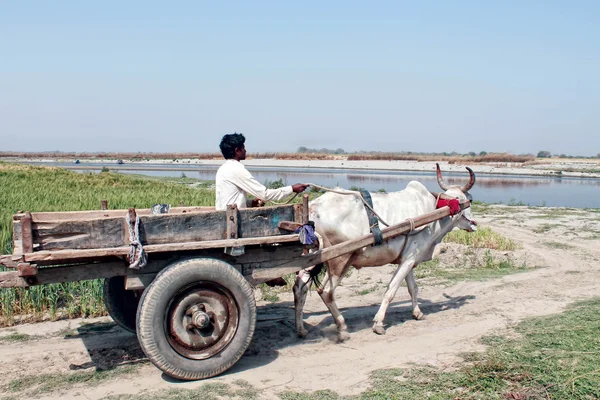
[{"x": 516, "y": 76}]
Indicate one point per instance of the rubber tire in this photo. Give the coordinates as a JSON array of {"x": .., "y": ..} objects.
[
  {"x": 121, "y": 304},
  {"x": 152, "y": 312}
]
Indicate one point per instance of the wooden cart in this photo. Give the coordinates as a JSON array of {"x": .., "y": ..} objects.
[{"x": 192, "y": 306}]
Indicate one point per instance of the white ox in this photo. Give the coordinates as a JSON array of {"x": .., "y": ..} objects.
[{"x": 339, "y": 218}]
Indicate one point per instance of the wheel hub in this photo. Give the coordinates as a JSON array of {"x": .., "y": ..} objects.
[{"x": 202, "y": 320}]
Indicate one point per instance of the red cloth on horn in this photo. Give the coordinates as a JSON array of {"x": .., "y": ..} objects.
[{"x": 454, "y": 205}]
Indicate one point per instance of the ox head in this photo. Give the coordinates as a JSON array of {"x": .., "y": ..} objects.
[{"x": 465, "y": 219}]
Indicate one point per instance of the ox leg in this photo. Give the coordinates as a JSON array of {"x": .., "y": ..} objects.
[
  {"x": 397, "y": 279},
  {"x": 413, "y": 289},
  {"x": 300, "y": 290},
  {"x": 335, "y": 272},
  {"x": 329, "y": 300}
]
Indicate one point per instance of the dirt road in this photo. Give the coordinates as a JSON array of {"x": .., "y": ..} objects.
[{"x": 562, "y": 244}]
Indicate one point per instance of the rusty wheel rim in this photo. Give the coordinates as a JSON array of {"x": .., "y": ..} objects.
[{"x": 201, "y": 320}]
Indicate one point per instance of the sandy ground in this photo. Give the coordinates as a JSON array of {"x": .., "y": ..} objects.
[
  {"x": 553, "y": 167},
  {"x": 562, "y": 245}
]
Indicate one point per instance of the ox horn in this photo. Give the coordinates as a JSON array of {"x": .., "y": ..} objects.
[
  {"x": 440, "y": 179},
  {"x": 469, "y": 185}
]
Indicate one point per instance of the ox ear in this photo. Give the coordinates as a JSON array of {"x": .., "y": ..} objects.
[
  {"x": 439, "y": 177},
  {"x": 469, "y": 185}
]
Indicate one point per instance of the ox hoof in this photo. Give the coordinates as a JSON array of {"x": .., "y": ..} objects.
[
  {"x": 419, "y": 316},
  {"x": 302, "y": 333},
  {"x": 343, "y": 336},
  {"x": 379, "y": 329}
]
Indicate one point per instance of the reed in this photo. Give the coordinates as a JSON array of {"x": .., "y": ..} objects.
[{"x": 29, "y": 188}]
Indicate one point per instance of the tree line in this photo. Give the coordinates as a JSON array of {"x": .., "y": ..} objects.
[{"x": 324, "y": 150}]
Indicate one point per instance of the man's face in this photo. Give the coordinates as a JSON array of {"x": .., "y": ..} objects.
[{"x": 240, "y": 153}]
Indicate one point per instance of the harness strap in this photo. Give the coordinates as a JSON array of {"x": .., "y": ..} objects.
[{"x": 373, "y": 220}]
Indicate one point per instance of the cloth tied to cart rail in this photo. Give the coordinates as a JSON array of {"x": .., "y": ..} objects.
[
  {"x": 306, "y": 233},
  {"x": 160, "y": 209},
  {"x": 373, "y": 220},
  {"x": 453, "y": 204},
  {"x": 137, "y": 255}
]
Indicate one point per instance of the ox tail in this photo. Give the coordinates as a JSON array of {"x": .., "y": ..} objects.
[
  {"x": 314, "y": 274},
  {"x": 316, "y": 270}
]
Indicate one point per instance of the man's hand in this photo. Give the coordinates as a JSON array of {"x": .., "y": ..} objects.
[
  {"x": 257, "y": 203},
  {"x": 299, "y": 187}
]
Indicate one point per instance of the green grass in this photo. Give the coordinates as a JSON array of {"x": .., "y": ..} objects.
[
  {"x": 556, "y": 213},
  {"x": 553, "y": 357},
  {"x": 181, "y": 180},
  {"x": 30, "y": 385},
  {"x": 483, "y": 238},
  {"x": 559, "y": 245},
  {"x": 474, "y": 269},
  {"x": 29, "y": 188},
  {"x": 545, "y": 228},
  {"x": 367, "y": 290},
  {"x": 16, "y": 337},
  {"x": 239, "y": 389},
  {"x": 269, "y": 294}
]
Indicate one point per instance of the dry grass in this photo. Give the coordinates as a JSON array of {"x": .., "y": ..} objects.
[
  {"x": 167, "y": 156},
  {"x": 492, "y": 157},
  {"x": 483, "y": 238}
]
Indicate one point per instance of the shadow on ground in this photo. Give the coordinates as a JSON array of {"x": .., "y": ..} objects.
[{"x": 109, "y": 346}]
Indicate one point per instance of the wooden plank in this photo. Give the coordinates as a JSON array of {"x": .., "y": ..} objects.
[
  {"x": 258, "y": 256},
  {"x": 289, "y": 226},
  {"x": 233, "y": 228},
  {"x": 18, "y": 216},
  {"x": 157, "y": 229},
  {"x": 298, "y": 213},
  {"x": 84, "y": 272},
  {"x": 80, "y": 234},
  {"x": 11, "y": 279},
  {"x": 10, "y": 261},
  {"x": 64, "y": 255},
  {"x": 26, "y": 269},
  {"x": 93, "y": 214},
  {"x": 304, "y": 208},
  {"x": 263, "y": 221},
  {"x": 232, "y": 221},
  {"x": 26, "y": 233},
  {"x": 193, "y": 227},
  {"x": 16, "y": 237},
  {"x": 104, "y": 205}
]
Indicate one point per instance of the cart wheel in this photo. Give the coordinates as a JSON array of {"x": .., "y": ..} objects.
[
  {"x": 121, "y": 304},
  {"x": 197, "y": 318}
]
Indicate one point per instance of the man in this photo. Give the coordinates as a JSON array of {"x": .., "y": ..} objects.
[{"x": 234, "y": 181}]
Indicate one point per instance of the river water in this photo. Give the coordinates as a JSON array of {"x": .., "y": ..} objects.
[{"x": 528, "y": 190}]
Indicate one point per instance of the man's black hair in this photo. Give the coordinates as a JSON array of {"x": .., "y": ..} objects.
[{"x": 230, "y": 142}]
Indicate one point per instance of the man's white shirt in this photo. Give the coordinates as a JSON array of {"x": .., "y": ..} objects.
[{"x": 234, "y": 181}]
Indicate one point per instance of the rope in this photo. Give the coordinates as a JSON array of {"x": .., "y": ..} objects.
[
  {"x": 343, "y": 192},
  {"x": 137, "y": 256},
  {"x": 357, "y": 194}
]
